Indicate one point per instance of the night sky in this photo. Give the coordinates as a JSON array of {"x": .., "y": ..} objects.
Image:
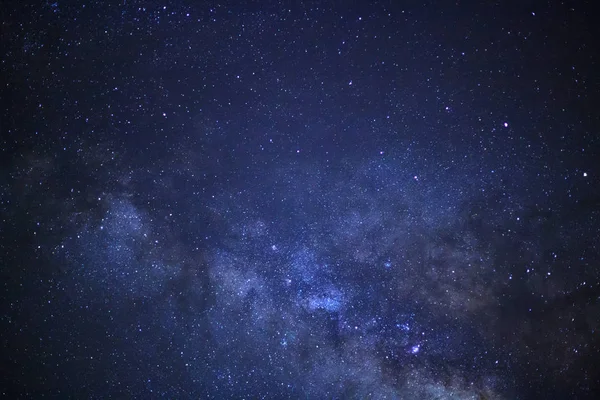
[{"x": 271, "y": 200}]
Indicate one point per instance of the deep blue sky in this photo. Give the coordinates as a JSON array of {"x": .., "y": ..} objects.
[{"x": 316, "y": 200}]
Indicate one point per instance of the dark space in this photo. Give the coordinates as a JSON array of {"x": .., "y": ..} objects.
[{"x": 324, "y": 200}]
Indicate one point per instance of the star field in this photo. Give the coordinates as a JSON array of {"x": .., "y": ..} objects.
[{"x": 267, "y": 200}]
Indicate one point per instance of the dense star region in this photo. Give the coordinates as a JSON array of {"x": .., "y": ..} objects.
[{"x": 270, "y": 200}]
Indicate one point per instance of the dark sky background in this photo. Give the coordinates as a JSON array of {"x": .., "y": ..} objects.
[{"x": 269, "y": 200}]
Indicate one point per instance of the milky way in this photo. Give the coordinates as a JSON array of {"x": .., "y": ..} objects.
[{"x": 274, "y": 201}]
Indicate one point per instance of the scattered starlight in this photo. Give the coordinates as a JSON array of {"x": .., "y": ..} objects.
[{"x": 377, "y": 201}]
